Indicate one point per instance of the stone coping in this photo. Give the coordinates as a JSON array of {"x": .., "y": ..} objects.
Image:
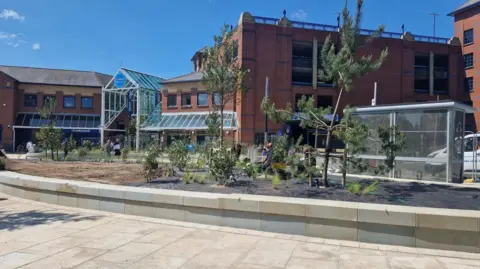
[{"x": 439, "y": 218}]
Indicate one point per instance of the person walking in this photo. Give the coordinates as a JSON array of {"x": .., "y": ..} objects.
[{"x": 116, "y": 147}]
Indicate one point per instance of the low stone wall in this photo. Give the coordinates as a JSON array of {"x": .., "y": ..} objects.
[{"x": 372, "y": 223}]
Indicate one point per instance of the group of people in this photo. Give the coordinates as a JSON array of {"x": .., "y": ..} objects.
[{"x": 110, "y": 146}]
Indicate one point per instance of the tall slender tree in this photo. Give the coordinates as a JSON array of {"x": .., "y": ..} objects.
[
  {"x": 223, "y": 75},
  {"x": 340, "y": 65},
  {"x": 346, "y": 65}
]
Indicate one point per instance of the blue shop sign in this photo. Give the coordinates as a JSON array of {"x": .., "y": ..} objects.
[{"x": 120, "y": 80}]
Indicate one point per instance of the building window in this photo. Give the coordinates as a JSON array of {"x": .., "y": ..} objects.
[
  {"x": 440, "y": 83},
  {"x": 468, "y": 60},
  {"x": 172, "y": 101},
  {"x": 69, "y": 101},
  {"x": 8, "y": 84},
  {"x": 186, "y": 100},
  {"x": 49, "y": 99},
  {"x": 217, "y": 100},
  {"x": 468, "y": 37},
  {"x": 235, "y": 50},
  {"x": 422, "y": 69},
  {"x": 30, "y": 100},
  {"x": 469, "y": 84},
  {"x": 87, "y": 102},
  {"x": 202, "y": 99},
  {"x": 302, "y": 63}
]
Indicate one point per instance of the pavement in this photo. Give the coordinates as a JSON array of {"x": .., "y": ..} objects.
[{"x": 35, "y": 235}]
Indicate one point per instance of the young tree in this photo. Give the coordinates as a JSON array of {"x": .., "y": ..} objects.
[
  {"x": 48, "y": 136},
  {"x": 340, "y": 67},
  {"x": 223, "y": 75}
]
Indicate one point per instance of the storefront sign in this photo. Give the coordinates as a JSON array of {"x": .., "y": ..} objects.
[{"x": 120, "y": 80}]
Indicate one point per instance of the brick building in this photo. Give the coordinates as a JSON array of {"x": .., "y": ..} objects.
[
  {"x": 466, "y": 28},
  {"x": 23, "y": 90}
]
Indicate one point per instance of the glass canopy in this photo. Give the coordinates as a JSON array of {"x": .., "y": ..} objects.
[
  {"x": 187, "y": 121},
  {"x": 64, "y": 121}
]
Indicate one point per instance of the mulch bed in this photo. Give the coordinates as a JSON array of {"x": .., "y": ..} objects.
[{"x": 388, "y": 192}]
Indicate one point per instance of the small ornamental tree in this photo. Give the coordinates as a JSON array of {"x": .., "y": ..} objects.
[
  {"x": 223, "y": 75},
  {"x": 49, "y": 136}
]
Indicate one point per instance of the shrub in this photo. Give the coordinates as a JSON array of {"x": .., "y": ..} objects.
[
  {"x": 354, "y": 188},
  {"x": 82, "y": 153},
  {"x": 150, "y": 164},
  {"x": 222, "y": 164},
  {"x": 88, "y": 145},
  {"x": 178, "y": 154},
  {"x": 276, "y": 181},
  {"x": 200, "y": 179},
  {"x": 2, "y": 164},
  {"x": 370, "y": 189},
  {"x": 125, "y": 152},
  {"x": 187, "y": 177}
]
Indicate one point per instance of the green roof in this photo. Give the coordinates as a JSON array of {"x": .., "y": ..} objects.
[{"x": 144, "y": 80}]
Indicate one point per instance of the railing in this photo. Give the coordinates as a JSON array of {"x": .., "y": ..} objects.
[{"x": 334, "y": 28}]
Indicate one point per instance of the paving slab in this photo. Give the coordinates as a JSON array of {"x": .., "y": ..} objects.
[{"x": 61, "y": 237}]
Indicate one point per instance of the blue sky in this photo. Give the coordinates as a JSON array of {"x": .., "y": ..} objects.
[{"x": 160, "y": 36}]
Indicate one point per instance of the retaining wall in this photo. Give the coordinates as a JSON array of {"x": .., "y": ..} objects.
[{"x": 372, "y": 223}]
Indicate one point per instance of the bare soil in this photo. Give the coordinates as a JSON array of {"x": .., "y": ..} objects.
[{"x": 109, "y": 173}]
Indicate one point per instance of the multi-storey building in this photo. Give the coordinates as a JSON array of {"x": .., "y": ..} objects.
[
  {"x": 24, "y": 90},
  {"x": 467, "y": 29}
]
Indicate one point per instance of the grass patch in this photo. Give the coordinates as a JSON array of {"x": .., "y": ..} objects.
[
  {"x": 358, "y": 188},
  {"x": 276, "y": 181}
]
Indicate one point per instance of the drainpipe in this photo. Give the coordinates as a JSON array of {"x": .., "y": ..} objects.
[{"x": 431, "y": 77}]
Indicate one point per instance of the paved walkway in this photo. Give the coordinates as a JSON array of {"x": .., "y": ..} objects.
[{"x": 40, "y": 236}]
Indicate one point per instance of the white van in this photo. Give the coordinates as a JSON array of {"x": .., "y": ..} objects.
[{"x": 471, "y": 157}]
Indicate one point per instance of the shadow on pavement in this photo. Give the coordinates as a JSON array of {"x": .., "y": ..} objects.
[{"x": 12, "y": 221}]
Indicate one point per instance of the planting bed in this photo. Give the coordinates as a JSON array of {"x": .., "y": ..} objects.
[
  {"x": 388, "y": 192},
  {"x": 109, "y": 173}
]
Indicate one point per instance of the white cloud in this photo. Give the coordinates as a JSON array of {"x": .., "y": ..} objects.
[
  {"x": 36, "y": 46},
  {"x": 8, "y": 14},
  {"x": 13, "y": 44},
  {"x": 299, "y": 15},
  {"x": 8, "y": 36}
]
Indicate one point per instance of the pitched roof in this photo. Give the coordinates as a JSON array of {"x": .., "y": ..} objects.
[
  {"x": 145, "y": 80},
  {"x": 465, "y": 6},
  {"x": 201, "y": 51},
  {"x": 195, "y": 76},
  {"x": 56, "y": 76}
]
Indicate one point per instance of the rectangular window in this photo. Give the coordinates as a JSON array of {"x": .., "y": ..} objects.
[
  {"x": 30, "y": 100},
  {"x": 50, "y": 99},
  {"x": 186, "y": 100},
  {"x": 69, "y": 101},
  {"x": 302, "y": 62},
  {"x": 202, "y": 99},
  {"x": 8, "y": 84},
  {"x": 468, "y": 37},
  {"x": 172, "y": 101},
  {"x": 217, "y": 99},
  {"x": 469, "y": 84},
  {"x": 422, "y": 69},
  {"x": 468, "y": 60},
  {"x": 440, "y": 83},
  {"x": 87, "y": 102}
]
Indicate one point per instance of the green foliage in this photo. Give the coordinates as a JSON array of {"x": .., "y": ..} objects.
[
  {"x": 251, "y": 170},
  {"x": 50, "y": 138},
  {"x": 82, "y": 153},
  {"x": 150, "y": 163},
  {"x": 392, "y": 140},
  {"x": 223, "y": 74},
  {"x": 178, "y": 154},
  {"x": 370, "y": 189},
  {"x": 276, "y": 181},
  {"x": 2, "y": 164},
  {"x": 71, "y": 143},
  {"x": 200, "y": 178},
  {"x": 88, "y": 145},
  {"x": 213, "y": 125},
  {"x": 222, "y": 164},
  {"x": 280, "y": 149},
  {"x": 355, "y": 187},
  {"x": 125, "y": 152},
  {"x": 187, "y": 177},
  {"x": 359, "y": 188}
]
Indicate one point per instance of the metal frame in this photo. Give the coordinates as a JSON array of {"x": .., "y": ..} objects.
[
  {"x": 189, "y": 120},
  {"x": 450, "y": 108},
  {"x": 115, "y": 101}
]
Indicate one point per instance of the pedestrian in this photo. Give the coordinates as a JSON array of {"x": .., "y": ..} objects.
[
  {"x": 116, "y": 147},
  {"x": 108, "y": 148}
]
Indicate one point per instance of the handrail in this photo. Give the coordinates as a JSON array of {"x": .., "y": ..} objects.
[{"x": 334, "y": 28}]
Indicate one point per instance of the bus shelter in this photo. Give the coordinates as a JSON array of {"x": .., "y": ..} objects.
[{"x": 434, "y": 139}]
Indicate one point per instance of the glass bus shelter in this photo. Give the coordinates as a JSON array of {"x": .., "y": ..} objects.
[{"x": 434, "y": 134}]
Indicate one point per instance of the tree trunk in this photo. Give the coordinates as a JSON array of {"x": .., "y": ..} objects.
[
  {"x": 329, "y": 138},
  {"x": 53, "y": 157},
  {"x": 221, "y": 127},
  {"x": 327, "y": 158},
  {"x": 344, "y": 167}
]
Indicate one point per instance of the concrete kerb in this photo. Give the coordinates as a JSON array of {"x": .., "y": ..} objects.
[{"x": 370, "y": 223}]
